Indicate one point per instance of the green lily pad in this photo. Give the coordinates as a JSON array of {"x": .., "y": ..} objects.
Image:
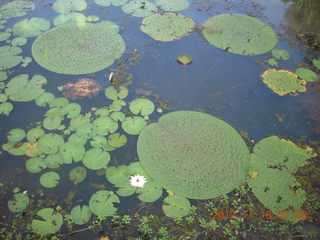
[
  {"x": 273, "y": 62},
  {"x": 283, "y": 82},
  {"x": 26, "y": 61},
  {"x": 3, "y": 97},
  {"x": 78, "y": 121},
  {"x": 118, "y": 176},
  {"x": 34, "y": 134},
  {"x": 113, "y": 93},
  {"x": 31, "y": 27},
  {"x": 102, "y": 112},
  {"x": 86, "y": 130},
  {"x": 81, "y": 215},
  {"x": 20, "y": 89},
  {"x": 77, "y": 139},
  {"x": 167, "y": 27},
  {"x": 150, "y": 192},
  {"x": 50, "y": 221},
  {"x": 133, "y": 125},
  {"x": 51, "y": 123},
  {"x": 19, "y": 41},
  {"x": 184, "y": 59},
  {"x": 239, "y": 34},
  {"x": 15, "y": 9},
  {"x": 141, "y": 105},
  {"x": 139, "y": 8},
  {"x": 102, "y": 203},
  {"x": 3, "y": 76},
  {"x": 6, "y": 108},
  {"x": 117, "y": 105},
  {"x": 176, "y": 206},
  {"x": 71, "y": 151},
  {"x": 44, "y": 99},
  {"x": 19, "y": 203},
  {"x": 280, "y": 54},
  {"x": 59, "y": 102},
  {"x": 72, "y": 17},
  {"x": 78, "y": 174},
  {"x": 67, "y": 6},
  {"x": 71, "y": 110},
  {"x": 50, "y": 143},
  {"x": 93, "y": 18},
  {"x": 15, "y": 149},
  {"x": 316, "y": 63},
  {"x": 35, "y": 165},
  {"x": 172, "y": 5},
  {"x": 104, "y": 125},
  {"x": 118, "y": 116},
  {"x": 106, "y": 3},
  {"x": 307, "y": 74},
  {"x": 4, "y": 36},
  {"x": 78, "y": 48},
  {"x": 54, "y": 160},
  {"x": 98, "y": 141},
  {"x": 126, "y": 190},
  {"x": 96, "y": 158},
  {"x": 9, "y": 58},
  {"x": 180, "y": 151},
  {"x": 116, "y": 140},
  {"x": 49, "y": 179},
  {"x": 16, "y": 135}
]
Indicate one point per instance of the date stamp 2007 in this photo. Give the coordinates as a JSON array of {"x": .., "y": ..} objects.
[{"x": 264, "y": 214}]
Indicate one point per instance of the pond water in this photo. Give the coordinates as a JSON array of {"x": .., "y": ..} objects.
[{"x": 218, "y": 82}]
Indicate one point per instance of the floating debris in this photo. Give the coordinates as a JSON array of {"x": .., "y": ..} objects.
[{"x": 83, "y": 88}]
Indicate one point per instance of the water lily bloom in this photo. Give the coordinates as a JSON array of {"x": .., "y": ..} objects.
[{"x": 137, "y": 180}]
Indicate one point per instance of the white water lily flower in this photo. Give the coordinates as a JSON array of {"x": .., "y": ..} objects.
[{"x": 137, "y": 180}]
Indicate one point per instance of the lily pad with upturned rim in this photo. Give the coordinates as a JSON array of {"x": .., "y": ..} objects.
[
  {"x": 19, "y": 203},
  {"x": 50, "y": 179},
  {"x": 50, "y": 221},
  {"x": 80, "y": 215},
  {"x": 167, "y": 27},
  {"x": 102, "y": 203}
]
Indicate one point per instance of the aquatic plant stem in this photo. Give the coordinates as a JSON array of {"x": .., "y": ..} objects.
[{"x": 229, "y": 88}]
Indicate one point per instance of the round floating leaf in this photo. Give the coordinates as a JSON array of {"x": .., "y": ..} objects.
[
  {"x": 126, "y": 190},
  {"x": 106, "y": 3},
  {"x": 93, "y": 18},
  {"x": 31, "y": 27},
  {"x": 31, "y": 150},
  {"x": 4, "y": 36},
  {"x": 44, "y": 99},
  {"x": 51, "y": 123},
  {"x": 167, "y": 27},
  {"x": 59, "y": 102},
  {"x": 184, "y": 59},
  {"x": 50, "y": 143},
  {"x": 34, "y": 134},
  {"x": 15, "y": 9},
  {"x": 96, "y": 158},
  {"x": 16, "y": 135},
  {"x": 116, "y": 140},
  {"x": 307, "y": 74},
  {"x": 141, "y": 105},
  {"x": 6, "y": 108},
  {"x": 3, "y": 97},
  {"x": 20, "y": 89},
  {"x": 78, "y": 48},
  {"x": 133, "y": 125},
  {"x": 118, "y": 116},
  {"x": 86, "y": 130},
  {"x": 104, "y": 125},
  {"x": 78, "y": 174},
  {"x": 8, "y": 57},
  {"x": 101, "y": 203},
  {"x": 15, "y": 149},
  {"x": 77, "y": 139},
  {"x": 3, "y": 76},
  {"x": 283, "y": 82},
  {"x": 117, "y": 105},
  {"x": 316, "y": 63},
  {"x": 50, "y": 222},
  {"x": 78, "y": 121},
  {"x": 176, "y": 206},
  {"x": 98, "y": 142},
  {"x": 80, "y": 215},
  {"x": 72, "y": 17},
  {"x": 172, "y": 5},
  {"x": 239, "y": 34},
  {"x": 273, "y": 62},
  {"x": 150, "y": 192},
  {"x": 139, "y": 8},
  {"x": 54, "y": 160},
  {"x": 280, "y": 54},
  {"x": 66, "y": 6},
  {"x": 118, "y": 176},
  {"x": 113, "y": 93},
  {"x": 18, "y": 41},
  {"x": 71, "y": 110},
  {"x": 71, "y": 151},
  {"x": 182, "y": 149},
  {"x": 35, "y": 165},
  {"x": 19, "y": 203},
  {"x": 49, "y": 179}
]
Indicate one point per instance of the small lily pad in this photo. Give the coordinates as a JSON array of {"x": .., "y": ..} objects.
[
  {"x": 67, "y": 6},
  {"x": 280, "y": 54},
  {"x": 307, "y": 74},
  {"x": 54, "y": 160},
  {"x": 102, "y": 203},
  {"x": 6, "y": 108},
  {"x": 19, "y": 203},
  {"x": 133, "y": 125},
  {"x": 16, "y": 135},
  {"x": 50, "y": 143},
  {"x": 80, "y": 215},
  {"x": 113, "y": 93},
  {"x": 9, "y": 57},
  {"x": 44, "y": 99},
  {"x": 3, "y": 76},
  {"x": 35, "y": 165},
  {"x": 34, "y": 134},
  {"x": 106, "y": 3},
  {"x": 184, "y": 59},
  {"x": 273, "y": 62},
  {"x": 71, "y": 151},
  {"x": 118, "y": 116},
  {"x": 50, "y": 221},
  {"x": 98, "y": 141},
  {"x": 4, "y": 36},
  {"x": 316, "y": 63},
  {"x": 78, "y": 174},
  {"x": 49, "y": 179},
  {"x": 172, "y": 5},
  {"x": 142, "y": 105},
  {"x": 104, "y": 125},
  {"x": 150, "y": 192},
  {"x": 176, "y": 206},
  {"x": 72, "y": 17},
  {"x": 51, "y": 123},
  {"x": 139, "y": 8},
  {"x": 116, "y": 140},
  {"x": 71, "y": 110},
  {"x": 96, "y": 158},
  {"x": 118, "y": 176},
  {"x": 31, "y": 27},
  {"x": 93, "y": 18},
  {"x": 15, "y": 9},
  {"x": 19, "y": 41}
]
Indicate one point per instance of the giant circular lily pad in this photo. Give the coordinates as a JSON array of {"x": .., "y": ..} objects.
[
  {"x": 167, "y": 27},
  {"x": 283, "y": 82},
  {"x": 78, "y": 48},
  {"x": 239, "y": 34},
  {"x": 193, "y": 154}
]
